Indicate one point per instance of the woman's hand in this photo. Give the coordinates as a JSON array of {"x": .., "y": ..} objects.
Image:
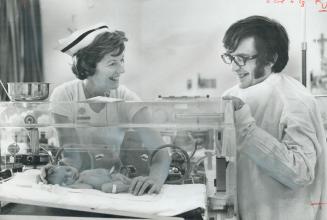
[
  {"x": 237, "y": 102},
  {"x": 144, "y": 184}
]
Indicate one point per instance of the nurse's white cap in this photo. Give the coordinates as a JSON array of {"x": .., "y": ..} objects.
[{"x": 81, "y": 38}]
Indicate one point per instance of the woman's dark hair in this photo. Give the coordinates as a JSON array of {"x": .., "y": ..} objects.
[
  {"x": 270, "y": 36},
  {"x": 86, "y": 59}
]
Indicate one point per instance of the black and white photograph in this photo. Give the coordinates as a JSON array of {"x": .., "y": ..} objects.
[{"x": 163, "y": 109}]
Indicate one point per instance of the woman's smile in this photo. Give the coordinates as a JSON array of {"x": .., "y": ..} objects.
[{"x": 114, "y": 78}]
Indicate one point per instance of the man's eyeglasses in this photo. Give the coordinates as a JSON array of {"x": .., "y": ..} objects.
[{"x": 239, "y": 60}]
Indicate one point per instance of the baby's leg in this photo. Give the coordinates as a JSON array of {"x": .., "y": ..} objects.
[
  {"x": 80, "y": 186},
  {"x": 114, "y": 187}
]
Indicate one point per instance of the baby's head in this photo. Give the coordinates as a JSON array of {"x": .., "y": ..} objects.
[{"x": 61, "y": 175}]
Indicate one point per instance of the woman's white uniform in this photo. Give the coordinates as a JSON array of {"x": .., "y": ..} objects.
[{"x": 68, "y": 100}]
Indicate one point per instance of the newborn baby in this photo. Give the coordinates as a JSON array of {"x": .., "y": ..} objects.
[{"x": 100, "y": 179}]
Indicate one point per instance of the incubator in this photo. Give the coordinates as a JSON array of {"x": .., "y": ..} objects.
[{"x": 198, "y": 134}]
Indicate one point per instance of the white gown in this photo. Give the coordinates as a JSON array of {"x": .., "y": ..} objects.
[{"x": 281, "y": 152}]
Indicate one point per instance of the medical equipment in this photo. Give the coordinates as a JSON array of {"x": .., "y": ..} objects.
[
  {"x": 28, "y": 91},
  {"x": 198, "y": 134}
]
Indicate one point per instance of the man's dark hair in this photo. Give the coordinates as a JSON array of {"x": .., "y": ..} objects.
[
  {"x": 86, "y": 59},
  {"x": 270, "y": 36}
]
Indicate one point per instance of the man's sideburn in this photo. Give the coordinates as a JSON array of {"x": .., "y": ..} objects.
[{"x": 259, "y": 70}]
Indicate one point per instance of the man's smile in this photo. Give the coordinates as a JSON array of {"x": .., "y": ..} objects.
[{"x": 242, "y": 75}]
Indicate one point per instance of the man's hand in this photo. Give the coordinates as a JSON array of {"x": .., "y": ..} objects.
[
  {"x": 237, "y": 102},
  {"x": 141, "y": 185}
]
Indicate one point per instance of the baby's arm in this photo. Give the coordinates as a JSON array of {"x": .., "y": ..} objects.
[
  {"x": 119, "y": 184},
  {"x": 114, "y": 187},
  {"x": 79, "y": 184}
]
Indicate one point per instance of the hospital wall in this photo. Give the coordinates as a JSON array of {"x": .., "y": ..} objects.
[{"x": 170, "y": 42}]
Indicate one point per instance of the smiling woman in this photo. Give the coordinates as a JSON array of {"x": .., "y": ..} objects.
[{"x": 98, "y": 62}]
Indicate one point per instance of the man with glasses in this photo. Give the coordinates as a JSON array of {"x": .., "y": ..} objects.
[{"x": 280, "y": 135}]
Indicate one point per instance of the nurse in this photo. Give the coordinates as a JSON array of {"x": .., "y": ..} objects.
[
  {"x": 280, "y": 135},
  {"x": 98, "y": 64}
]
